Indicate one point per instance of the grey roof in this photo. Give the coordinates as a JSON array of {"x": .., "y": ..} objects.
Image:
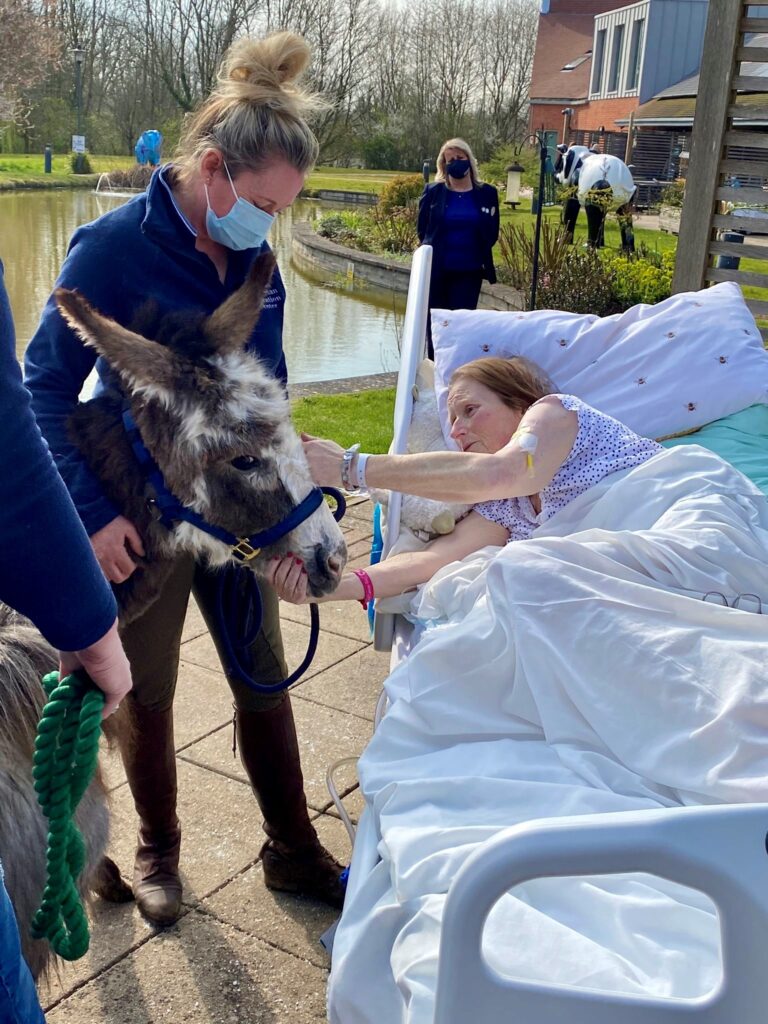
[
  {"x": 687, "y": 87},
  {"x": 690, "y": 86}
]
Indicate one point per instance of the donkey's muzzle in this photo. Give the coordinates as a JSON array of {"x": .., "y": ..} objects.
[{"x": 326, "y": 568}]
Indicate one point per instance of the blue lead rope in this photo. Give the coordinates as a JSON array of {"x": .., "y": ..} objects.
[{"x": 233, "y": 609}]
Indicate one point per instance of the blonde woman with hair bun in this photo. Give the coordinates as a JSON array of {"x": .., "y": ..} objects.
[
  {"x": 459, "y": 218},
  {"x": 188, "y": 243}
]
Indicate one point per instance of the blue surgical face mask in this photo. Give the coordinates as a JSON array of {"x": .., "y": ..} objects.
[
  {"x": 245, "y": 226},
  {"x": 458, "y": 168}
]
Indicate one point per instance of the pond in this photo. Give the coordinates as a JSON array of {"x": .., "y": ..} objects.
[{"x": 330, "y": 332}]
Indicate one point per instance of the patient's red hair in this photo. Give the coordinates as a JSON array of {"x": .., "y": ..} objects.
[{"x": 517, "y": 381}]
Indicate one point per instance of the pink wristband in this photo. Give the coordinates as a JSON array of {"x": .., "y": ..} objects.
[{"x": 365, "y": 579}]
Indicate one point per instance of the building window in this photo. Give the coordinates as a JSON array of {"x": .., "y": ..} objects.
[
  {"x": 573, "y": 64},
  {"x": 635, "y": 54},
  {"x": 616, "y": 54},
  {"x": 597, "y": 61}
]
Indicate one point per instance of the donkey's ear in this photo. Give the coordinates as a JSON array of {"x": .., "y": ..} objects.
[
  {"x": 230, "y": 326},
  {"x": 139, "y": 362}
]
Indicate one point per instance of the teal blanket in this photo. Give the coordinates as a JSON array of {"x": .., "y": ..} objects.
[{"x": 741, "y": 439}]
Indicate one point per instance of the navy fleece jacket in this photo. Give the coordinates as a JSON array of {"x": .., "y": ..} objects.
[
  {"x": 48, "y": 570},
  {"x": 140, "y": 251}
]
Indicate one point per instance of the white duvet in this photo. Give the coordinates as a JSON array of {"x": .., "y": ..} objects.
[{"x": 577, "y": 672}]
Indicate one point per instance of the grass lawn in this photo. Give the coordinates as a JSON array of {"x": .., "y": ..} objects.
[
  {"x": 350, "y": 179},
  {"x": 28, "y": 169},
  {"x": 21, "y": 168},
  {"x": 364, "y": 416}
]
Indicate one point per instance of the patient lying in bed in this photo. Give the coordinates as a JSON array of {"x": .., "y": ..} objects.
[
  {"x": 576, "y": 672},
  {"x": 546, "y": 450}
]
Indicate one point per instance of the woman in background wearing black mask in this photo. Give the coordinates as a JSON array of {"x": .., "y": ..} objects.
[{"x": 459, "y": 218}]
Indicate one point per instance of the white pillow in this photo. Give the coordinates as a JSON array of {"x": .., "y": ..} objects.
[{"x": 660, "y": 369}]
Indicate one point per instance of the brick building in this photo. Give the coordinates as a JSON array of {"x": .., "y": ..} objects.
[{"x": 596, "y": 63}]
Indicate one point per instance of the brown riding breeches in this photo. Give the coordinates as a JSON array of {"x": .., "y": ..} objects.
[{"x": 152, "y": 642}]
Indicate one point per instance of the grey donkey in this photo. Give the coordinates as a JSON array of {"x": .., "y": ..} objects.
[{"x": 218, "y": 427}]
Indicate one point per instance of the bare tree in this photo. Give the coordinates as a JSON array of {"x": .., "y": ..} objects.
[
  {"x": 399, "y": 79},
  {"x": 507, "y": 43},
  {"x": 342, "y": 36},
  {"x": 186, "y": 40},
  {"x": 30, "y": 48}
]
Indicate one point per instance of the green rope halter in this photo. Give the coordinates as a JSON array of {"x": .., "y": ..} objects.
[{"x": 66, "y": 751}]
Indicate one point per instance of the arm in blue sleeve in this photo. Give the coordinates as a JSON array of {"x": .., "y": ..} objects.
[
  {"x": 56, "y": 365},
  {"x": 48, "y": 570},
  {"x": 496, "y": 218},
  {"x": 423, "y": 219}
]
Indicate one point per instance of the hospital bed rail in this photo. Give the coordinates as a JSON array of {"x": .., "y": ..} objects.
[
  {"x": 719, "y": 850},
  {"x": 412, "y": 353}
]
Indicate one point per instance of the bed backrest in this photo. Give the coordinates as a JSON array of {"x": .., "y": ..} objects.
[
  {"x": 719, "y": 850},
  {"x": 412, "y": 353}
]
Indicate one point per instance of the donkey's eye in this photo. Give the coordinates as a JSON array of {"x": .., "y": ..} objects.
[{"x": 245, "y": 463}]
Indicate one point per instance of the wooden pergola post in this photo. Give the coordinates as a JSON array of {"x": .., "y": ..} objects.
[
  {"x": 715, "y": 96},
  {"x": 714, "y": 134}
]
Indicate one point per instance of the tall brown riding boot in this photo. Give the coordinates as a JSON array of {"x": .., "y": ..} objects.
[
  {"x": 150, "y": 764},
  {"x": 293, "y": 858}
]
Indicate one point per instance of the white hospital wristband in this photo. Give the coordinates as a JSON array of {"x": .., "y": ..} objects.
[{"x": 362, "y": 458}]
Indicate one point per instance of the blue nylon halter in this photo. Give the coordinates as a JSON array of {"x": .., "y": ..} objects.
[
  {"x": 172, "y": 511},
  {"x": 245, "y": 608}
]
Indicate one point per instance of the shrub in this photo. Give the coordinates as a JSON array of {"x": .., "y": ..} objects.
[
  {"x": 581, "y": 280},
  {"x": 674, "y": 194},
  {"x": 394, "y": 231},
  {"x": 582, "y": 284},
  {"x": 346, "y": 228},
  {"x": 516, "y": 247},
  {"x": 80, "y": 163},
  {"x": 639, "y": 279},
  {"x": 402, "y": 191}
]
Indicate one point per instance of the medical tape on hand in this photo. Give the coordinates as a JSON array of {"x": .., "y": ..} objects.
[{"x": 528, "y": 442}]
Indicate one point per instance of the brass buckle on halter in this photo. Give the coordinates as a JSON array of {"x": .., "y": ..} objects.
[{"x": 244, "y": 551}]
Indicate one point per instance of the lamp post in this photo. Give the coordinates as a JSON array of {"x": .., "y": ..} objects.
[
  {"x": 541, "y": 141},
  {"x": 78, "y": 142}
]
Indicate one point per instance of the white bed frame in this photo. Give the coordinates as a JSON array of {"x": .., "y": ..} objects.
[{"x": 719, "y": 850}]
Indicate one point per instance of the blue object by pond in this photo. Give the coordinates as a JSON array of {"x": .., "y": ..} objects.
[
  {"x": 344, "y": 877},
  {"x": 149, "y": 147}
]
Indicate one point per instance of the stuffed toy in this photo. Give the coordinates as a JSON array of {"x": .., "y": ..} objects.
[{"x": 422, "y": 515}]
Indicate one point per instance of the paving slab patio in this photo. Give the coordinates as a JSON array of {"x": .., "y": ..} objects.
[{"x": 240, "y": 953}]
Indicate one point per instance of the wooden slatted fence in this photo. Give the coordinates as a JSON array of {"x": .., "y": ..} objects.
[{"x": 721, "y": 151}]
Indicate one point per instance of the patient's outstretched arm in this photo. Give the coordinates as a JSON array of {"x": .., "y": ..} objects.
[
  {"x": 397, "y": 574},
  {"x": 465, "y": 476}
]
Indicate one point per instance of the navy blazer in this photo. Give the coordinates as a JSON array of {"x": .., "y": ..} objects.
[{"x": 432, "y": 222}]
